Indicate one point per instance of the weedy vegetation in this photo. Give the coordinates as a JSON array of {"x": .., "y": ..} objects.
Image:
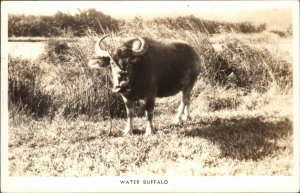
[{"x": 60, "y": 110}]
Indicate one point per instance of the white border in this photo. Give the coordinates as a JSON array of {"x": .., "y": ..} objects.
[
  {"x": 296, "y": 90},
  {"x": 4, "y": 98},
  {"x": 175, "y": 184}
]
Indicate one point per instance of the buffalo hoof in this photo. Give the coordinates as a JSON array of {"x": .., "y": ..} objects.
[
  {"x": 186, "y": 118},
  {"x": 127, "y": 133},
  {"x": 177, "y": 121},
  {"x": 149, "y": 132}
]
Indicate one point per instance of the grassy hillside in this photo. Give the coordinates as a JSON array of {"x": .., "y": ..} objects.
[{"x": 60, "y": 113}]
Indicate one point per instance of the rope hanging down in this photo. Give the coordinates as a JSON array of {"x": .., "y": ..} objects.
[{"x": 108, "y": 108}]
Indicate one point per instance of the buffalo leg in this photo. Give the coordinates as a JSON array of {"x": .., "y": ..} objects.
[
  {"x": 179, "y": 113},
  {"x": 184, "y": 106},
  {"x": 186, "y": 100},
  {"x": 186, "y": 115},
  {"x": 129, "y": 111},
  {"x": 150, "y": 103}
]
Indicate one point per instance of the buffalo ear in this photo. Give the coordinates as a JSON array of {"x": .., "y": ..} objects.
[
  {"x": 98, "y": 62},
  {"x": 104, "y": 61}
]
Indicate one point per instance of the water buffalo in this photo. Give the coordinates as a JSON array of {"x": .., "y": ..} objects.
[{"x": 143, "y": 68}]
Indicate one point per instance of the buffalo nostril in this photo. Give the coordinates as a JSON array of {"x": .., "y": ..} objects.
[
  {"x": 126, "y": 79},
  {"x": 123, "y": 78},
  {"x": 123, "y": 73}
]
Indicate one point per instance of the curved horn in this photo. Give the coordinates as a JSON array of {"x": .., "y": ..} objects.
[
  {"x": 139, "y": 48},
  {"x": 99, "y": 51}
]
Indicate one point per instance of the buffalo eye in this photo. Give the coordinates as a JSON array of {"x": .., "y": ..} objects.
[
  {"x": 113, "y": 63},
  {"x": 123, "y": 64}
]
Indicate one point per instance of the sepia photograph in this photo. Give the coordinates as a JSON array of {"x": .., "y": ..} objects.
[{"x": 149, "y": 96}]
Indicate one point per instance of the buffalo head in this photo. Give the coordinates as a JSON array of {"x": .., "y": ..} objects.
[{"x": 121, "y": 61}]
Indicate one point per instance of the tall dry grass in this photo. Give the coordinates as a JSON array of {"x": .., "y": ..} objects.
[
  {"x": 72, "y": 89},
  {"x": 61, "y": 84}
]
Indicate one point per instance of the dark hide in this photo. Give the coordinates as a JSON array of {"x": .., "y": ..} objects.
[{"x": 166, "y": 68}]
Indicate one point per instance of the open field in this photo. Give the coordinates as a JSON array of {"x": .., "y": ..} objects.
[
  {"x": 242, "y": 120},
  {"x": 227, "y": 142}
]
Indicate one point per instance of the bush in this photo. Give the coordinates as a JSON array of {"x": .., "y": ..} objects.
[
  {"x": 64, "y": 23},
  {"x": 60, "y": 24},
  {"x": 280, "y": 33},
  {"x": 24, "y": 88},
  {"x": 249, "y": 66},
  {"x": 60, "y": 83},
  {"x": 81, "y": 90},
  {"x": 208, "y": 27}
]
